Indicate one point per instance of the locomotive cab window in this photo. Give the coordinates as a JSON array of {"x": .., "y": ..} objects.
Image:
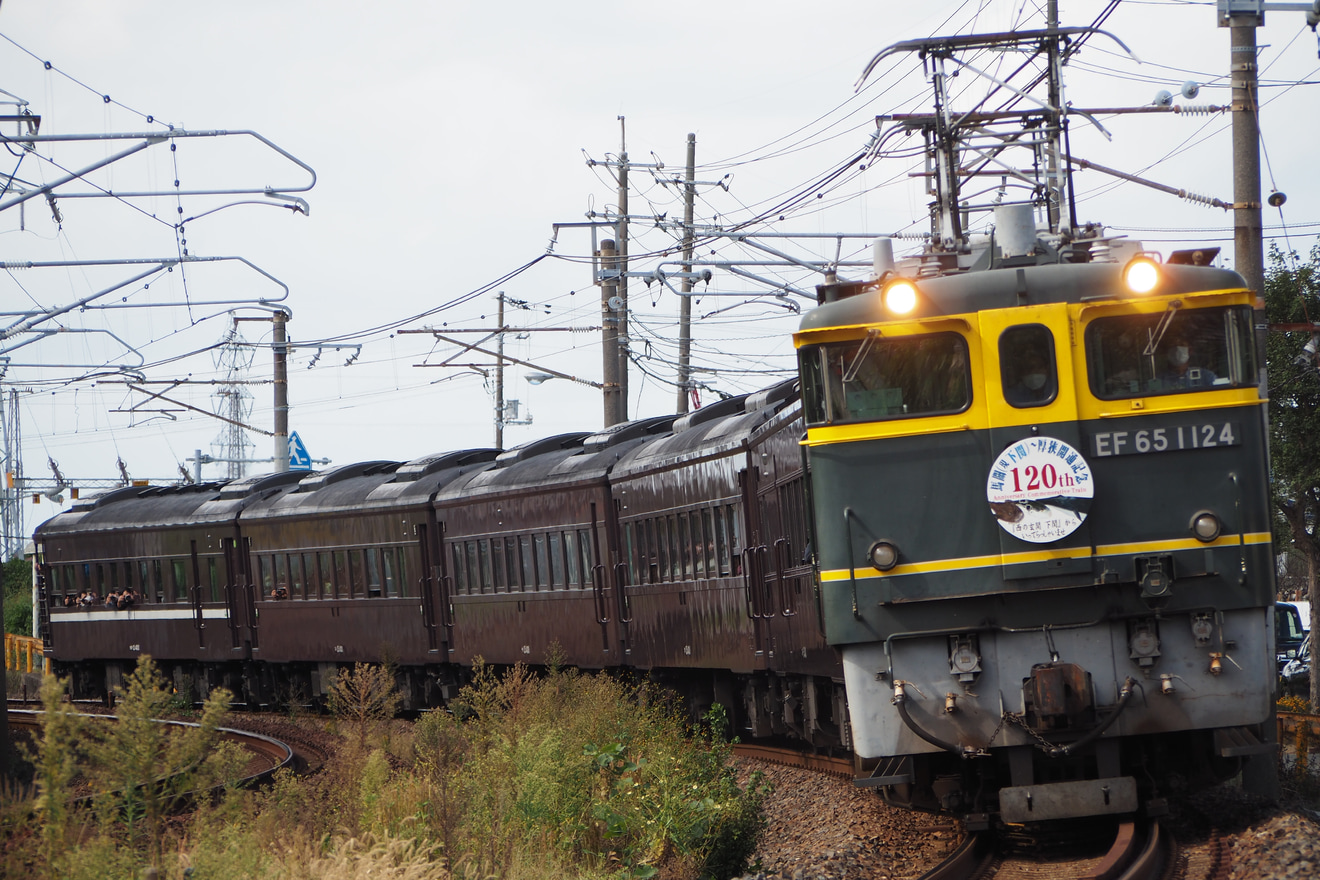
[
  {"x": 1171, "y": 352},
  {"x": 880, "y": 378},
  {"x": 1026, "y": 365}
]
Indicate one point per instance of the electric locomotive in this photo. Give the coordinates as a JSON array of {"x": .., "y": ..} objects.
[{"x": 1038, "y": 465}]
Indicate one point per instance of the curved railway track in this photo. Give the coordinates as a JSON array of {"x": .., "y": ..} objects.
[
  {"x": 1141, "y": 850},
  {"x": 268, "y": 754},
  {"x": 841, "y": 767}
]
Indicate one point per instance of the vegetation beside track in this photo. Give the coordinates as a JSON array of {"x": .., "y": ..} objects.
[
  {"x": 560, "y": 775},
  {"x": 1299, "y": 767}
]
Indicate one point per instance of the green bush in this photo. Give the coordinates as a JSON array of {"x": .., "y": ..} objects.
[
  {"x": 552, "y": 777},
  {"x": 580, "y": 767},
  {"x": 18, "y": 596}
]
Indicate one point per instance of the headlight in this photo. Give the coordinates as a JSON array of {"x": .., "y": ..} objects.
[
  {"x": 1206, "y": 526},
  {"x": 1141, "y": 274},
  {"x": 900, "y": 296},
  {"x": 883, "y": 555}
]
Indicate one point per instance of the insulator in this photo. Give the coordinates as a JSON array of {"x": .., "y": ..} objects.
[
  {"x": 1197, "y": 109},
  {"x": 1199, "y": 199}
]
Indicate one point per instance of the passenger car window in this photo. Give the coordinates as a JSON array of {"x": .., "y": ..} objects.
[
  {"x": 1170, "y": 352},
  {"x": 1026, "y": 365},
  {"x": 879, "y": 378}
]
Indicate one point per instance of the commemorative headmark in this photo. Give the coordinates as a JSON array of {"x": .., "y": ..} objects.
[{"x": 1040, "y": 489}]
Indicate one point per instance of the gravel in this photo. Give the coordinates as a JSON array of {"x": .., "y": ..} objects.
[
  {"x": 821, "y": 826},
  {"x": 824, "y": 828}
]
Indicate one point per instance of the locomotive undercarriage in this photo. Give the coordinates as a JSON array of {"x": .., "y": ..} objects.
[
  {"x": 1037, "y": 723},
  {"x": 1156, "y": 767}
]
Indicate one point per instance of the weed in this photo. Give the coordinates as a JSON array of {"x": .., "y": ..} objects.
[
  {"x": 55, "y": 762},
  {"x": 144, "y": 769},
  {"x": 365, "y": 698}
]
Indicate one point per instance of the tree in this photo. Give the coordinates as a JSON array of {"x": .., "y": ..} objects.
[
  {"x": 17, "y": 609},
  {"x": 1292, "y": 296}
]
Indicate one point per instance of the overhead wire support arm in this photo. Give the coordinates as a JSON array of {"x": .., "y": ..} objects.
[
  {"x": 1132, "y": 178},
  {"x": 150, "y": 139},
  {"x": 75, "y": 175},
  {"x": 946, "y": 45},
  {"x": 154, "y": 395},
  {"x": 158, "y": 264},
  {"x": 475, "y": 347}
]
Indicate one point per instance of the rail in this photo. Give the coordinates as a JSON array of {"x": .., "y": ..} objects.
[
  {"x": 24, "y": 654},
  {"x": 841, "y": 767},
  {"x": 278, "y": 755},
  {"x": 1141, "y": 850}
]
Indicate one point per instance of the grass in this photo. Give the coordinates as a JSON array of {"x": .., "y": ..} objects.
[{"x": 527, "y": 775}]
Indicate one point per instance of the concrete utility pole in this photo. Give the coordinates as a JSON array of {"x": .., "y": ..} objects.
[
  {"x": 281, "y": 350},
  {"x": 1248, "y": 246},
  {"x": 622, "y": 284},
  {"x": 499, "y": 375},
  {"x": 1242, "y": 17},
  {"x": 610, "y": 310},
  {"x": 685, "y": 301},
  {"x": 1054, "y": 204}
]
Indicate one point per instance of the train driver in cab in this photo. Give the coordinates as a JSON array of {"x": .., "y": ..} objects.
[
  {"x": 1027, "y": 351},
  {"x": 1179, "y": 371}
]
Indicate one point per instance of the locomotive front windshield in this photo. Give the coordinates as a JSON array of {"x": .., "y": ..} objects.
[
  {"x": 1172, "y": 352},
  {"x": 877, "y": 378}
]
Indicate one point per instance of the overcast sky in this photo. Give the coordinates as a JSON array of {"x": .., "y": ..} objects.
[{"x": 448, "y": 138}]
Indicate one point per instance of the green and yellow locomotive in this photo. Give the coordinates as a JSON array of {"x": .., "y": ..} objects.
[{"x": 1042, "y": 530}]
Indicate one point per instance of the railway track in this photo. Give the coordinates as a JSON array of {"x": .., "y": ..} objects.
[
  {"x": 787, "y": 757},
  {"x": 1141, "y": 850},
  {"x": 1136, "y": 850},
  {"x": 268, "y": 754}
]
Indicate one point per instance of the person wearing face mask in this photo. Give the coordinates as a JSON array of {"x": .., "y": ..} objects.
[
  {"x": 1033, "y": 385},
  {"x": 1179, "y": 371}
]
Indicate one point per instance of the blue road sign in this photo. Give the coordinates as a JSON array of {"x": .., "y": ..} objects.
[{"x": 299, "y": 460}]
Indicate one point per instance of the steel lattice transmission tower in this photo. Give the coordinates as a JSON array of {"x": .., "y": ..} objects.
[{"x": 234, "y": 403}]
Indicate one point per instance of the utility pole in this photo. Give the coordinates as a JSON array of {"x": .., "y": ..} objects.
[
  {"x": 1248, "y": 247},
  {"x": 499, "y": 376},
  {"x": 610, "y": 310},
  {"x": 11, "y": 490},
  {"x": 281, "y": 350},
  {"x": 685, "y": 301},
  {"x": 1054, "y": 201},
  {"x": 622, "y": 283},
  {"x": 1242, "y": 17}
]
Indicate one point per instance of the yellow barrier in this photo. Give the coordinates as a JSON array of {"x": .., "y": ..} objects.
[{"x": 24, "y": 654}]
